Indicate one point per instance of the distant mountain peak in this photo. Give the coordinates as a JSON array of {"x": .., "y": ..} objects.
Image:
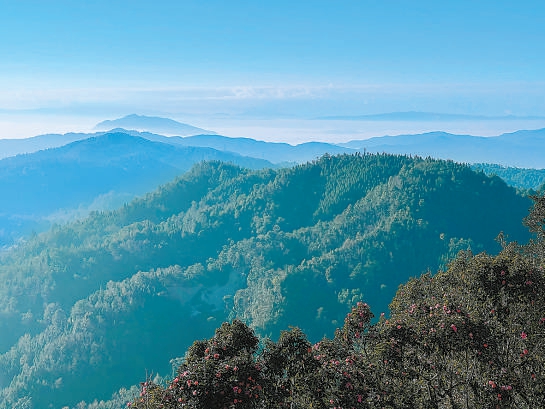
[
  {"x": 427, "y": 116},
  {"x": 154, "y": 124}
]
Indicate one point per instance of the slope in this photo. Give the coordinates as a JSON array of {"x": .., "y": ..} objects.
[
  {"x": 275, "y": 152},
  {"x": 518, "y": 149},
  {"x": 154, "y": 124},
  {"x": 83, "y": 303},
  {"x": 517, "y": 177},
  {"x": 54, "y": 184}
]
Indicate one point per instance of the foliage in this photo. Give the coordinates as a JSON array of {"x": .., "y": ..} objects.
[
  {"x": 466, "y": 337},
  {"x": 100, "y": 172},
  {"x": 84, "y": 303},
  {"x": 528, "y": 179}
]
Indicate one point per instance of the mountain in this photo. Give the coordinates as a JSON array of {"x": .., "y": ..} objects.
[
  {"x": 278, "y": 153},
  {"x": 274, "y": 152},
  {"x": 82, "y": 305},
  {"x": 96, "y": 173},
  {"x": 467, "y": 337},
  {"x": 521, "y": 149},
  {"x": 520, "y": 178},
  {"x": 427, "y": 117},
  {"x": 152, "y": 124},
  {"x": 13, "y": 147}
]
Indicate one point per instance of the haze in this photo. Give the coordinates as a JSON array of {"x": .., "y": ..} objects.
[{"x": 267, "y": 70}]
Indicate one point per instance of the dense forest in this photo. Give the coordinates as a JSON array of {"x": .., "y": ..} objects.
[
  {"x": 467, "y": 337},
  {"x": 97, "y": 173},
  {"x": 89, "y": 306},
  {"x": 517, "y": 177}
]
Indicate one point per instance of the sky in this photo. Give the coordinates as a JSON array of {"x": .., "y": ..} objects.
[{"x": 243, "y": 67}]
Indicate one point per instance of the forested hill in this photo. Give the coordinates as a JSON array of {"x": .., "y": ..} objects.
[
  {"x": 84, "y": 308},
  {"x": 101, "y": 172},
  {"x": 519, "y": 149},
  {"x": 520, "y": 178}
]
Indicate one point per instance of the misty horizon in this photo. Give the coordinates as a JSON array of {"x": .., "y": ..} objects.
[{"x": 288, "y": 130}]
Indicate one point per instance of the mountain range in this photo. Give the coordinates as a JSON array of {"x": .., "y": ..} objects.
[
  {"x": 153, "y": 124},
  {"x": 54, "y": 178},
  {"x": 428, "y": 116},
  {"x": 97, "y": 173},
  {"x": 520, "y": 149},
  {"x": 138, "y": 233},
  {"x": 84, "y": 306},
  {"x": 517, "y": 149}
]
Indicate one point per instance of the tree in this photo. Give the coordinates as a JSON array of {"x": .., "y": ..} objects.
[
  {"x": 217, "y": 373},
  {"x": 292, "y": 372}
]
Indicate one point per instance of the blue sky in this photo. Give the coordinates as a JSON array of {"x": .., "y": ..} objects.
[{"x": 269, "y": 59}]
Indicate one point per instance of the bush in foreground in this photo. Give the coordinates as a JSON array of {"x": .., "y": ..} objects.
[{"x": 467, "y": 337}]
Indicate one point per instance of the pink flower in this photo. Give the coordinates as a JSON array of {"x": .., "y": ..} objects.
[
  {"x": 454, "y": 328},
  {"x": 523, "y": 335}
]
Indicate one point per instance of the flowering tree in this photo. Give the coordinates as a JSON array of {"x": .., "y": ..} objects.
[
  {"x": 292, "y": 372},
  {"x": 468, "y": 337},
  {"x": 217, "y": 373}
]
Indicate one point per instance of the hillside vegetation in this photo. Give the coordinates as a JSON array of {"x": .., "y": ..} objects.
[
  {"x": 517, "y": 177},
  {"x": 521, "y": 149},
  {"x": 467, "y": 337},
  {"x": 100, "y": 172},
  {"x": 88, "y": 307}
]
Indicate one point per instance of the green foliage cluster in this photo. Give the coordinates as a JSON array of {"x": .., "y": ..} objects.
[
  {"x": 529, "y": 179},
  {"x": 83, "y": 303},
  {"x": 103, "y": 171},
  {"x": 467, "y": 337}
]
